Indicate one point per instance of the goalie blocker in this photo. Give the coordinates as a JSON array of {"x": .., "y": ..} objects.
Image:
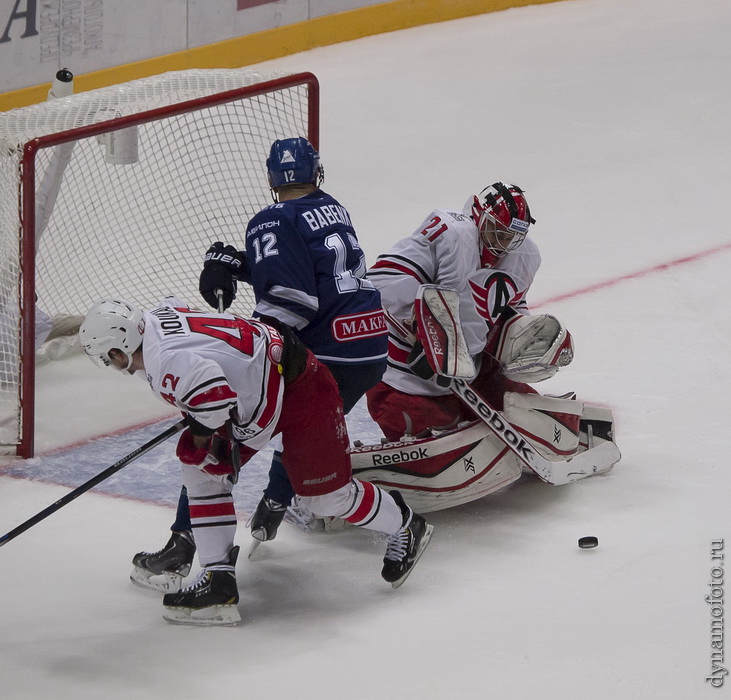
[{"x": 439, "y": 331}]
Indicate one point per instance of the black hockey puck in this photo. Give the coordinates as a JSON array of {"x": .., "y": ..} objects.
[
  {"x": 65, "y": 75},
  {"x": 588, "y": 542}
]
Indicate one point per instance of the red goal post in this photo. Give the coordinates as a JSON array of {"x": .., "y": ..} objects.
[{"x": 119, "y": 192}]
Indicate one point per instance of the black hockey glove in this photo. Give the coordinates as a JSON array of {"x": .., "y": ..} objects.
[
  {"x": 420, "y": 366},
  {"x": 418, "y": 363},
  {"x": 222, "y": 267}
]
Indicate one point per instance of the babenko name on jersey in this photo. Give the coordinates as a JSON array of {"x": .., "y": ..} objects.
[{"x": 326, "y": 215}]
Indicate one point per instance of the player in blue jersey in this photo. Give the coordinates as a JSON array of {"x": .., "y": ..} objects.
[{"x": 307, "y": 272}]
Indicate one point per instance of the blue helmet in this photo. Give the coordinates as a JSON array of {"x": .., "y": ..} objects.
[{"x": 294, "y": 161}]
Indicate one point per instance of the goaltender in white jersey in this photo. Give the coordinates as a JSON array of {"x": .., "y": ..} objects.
[
  {"x": 454, "y": 297},
  {"x": 453, "y": 249},
  {"x": 445, "y": 250}
]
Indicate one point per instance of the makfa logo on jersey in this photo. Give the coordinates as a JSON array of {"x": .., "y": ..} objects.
[{"x": 357, "y": 326}]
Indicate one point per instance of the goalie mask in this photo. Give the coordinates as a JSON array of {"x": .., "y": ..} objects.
[
  {"x": 293, "y": 162},
  {"x": 502, "y": 216},
  {"x": 109, "y": 325}
]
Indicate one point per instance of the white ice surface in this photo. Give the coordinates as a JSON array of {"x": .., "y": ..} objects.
[{"x": 614, "y": 116}]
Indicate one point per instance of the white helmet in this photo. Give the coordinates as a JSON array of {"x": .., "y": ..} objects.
[{"x": 111, "y": 324}]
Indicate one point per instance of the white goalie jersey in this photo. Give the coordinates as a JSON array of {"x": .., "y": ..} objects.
[
  {"x": 214, "y": 367},
  {"x": 446, "y": 250}
]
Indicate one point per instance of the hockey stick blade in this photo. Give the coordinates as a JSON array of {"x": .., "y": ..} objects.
[
  {"x": 595, "y": 460},
  {"x": 86, "y": 486}
]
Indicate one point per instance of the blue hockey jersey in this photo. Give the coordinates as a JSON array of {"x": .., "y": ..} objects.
[{"x": 308, "y": 271}]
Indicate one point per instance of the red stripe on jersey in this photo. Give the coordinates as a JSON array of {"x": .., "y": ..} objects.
[
  {"x": 397, "y": 353},
  {"x": 366, "y": 504},
  {"x": 212, "y": 510},
  {"x": 215, "y": 394},
  {"x": 396, "y": 267},
  {"x": 271, "y": 396}
]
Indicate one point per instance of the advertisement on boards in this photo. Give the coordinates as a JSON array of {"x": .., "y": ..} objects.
[{"x": 37, "y": 37}]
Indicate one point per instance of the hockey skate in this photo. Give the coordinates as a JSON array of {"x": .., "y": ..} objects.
[
  {"x": 210, "y": 600},
  {"x": 406, "y": 546},
  {"x": 265, "y": 522},
  {"x": 165, "y": 569}
]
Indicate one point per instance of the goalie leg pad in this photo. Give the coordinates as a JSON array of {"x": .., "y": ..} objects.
[
  {"x": 596, "y": 426},
  {"x": 442, "y": 471},
  {"x": 550, "y": 423}
]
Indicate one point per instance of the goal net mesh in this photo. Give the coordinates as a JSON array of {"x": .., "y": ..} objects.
[{"x": 130, "y": 213}]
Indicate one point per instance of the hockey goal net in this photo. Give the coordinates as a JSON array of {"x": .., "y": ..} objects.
[{"x": 120, "y": 191}]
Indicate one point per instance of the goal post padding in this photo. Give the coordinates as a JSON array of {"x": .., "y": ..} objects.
[{"x": 119, "y": 191}]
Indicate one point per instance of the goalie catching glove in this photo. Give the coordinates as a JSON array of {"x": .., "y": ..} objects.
[
  {"x": 223, "y": 266},
  {"x": 533, "y": 348}
]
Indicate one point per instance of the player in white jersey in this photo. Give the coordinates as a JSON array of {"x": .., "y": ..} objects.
[
  {"x": 239, "y": 382},
  {"x": 484, "y": 253}
]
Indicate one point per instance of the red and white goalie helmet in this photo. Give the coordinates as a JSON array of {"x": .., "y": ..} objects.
[
  {"x": 111, "y": 324},
  {"x": 502, "y": 215}
]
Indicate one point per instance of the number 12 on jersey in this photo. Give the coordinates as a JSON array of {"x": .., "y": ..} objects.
[{"x": 347, "y": 280}]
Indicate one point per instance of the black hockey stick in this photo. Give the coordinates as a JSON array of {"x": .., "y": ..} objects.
[{"x": 61, "y": 502}]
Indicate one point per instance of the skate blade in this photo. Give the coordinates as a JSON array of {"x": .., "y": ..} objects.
[
  {"x": 254, "y": 546},
  {"x": 422, "y": 546},
  {"x": 214, "y": 616},
  {"x": 164, "y": 583}
]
